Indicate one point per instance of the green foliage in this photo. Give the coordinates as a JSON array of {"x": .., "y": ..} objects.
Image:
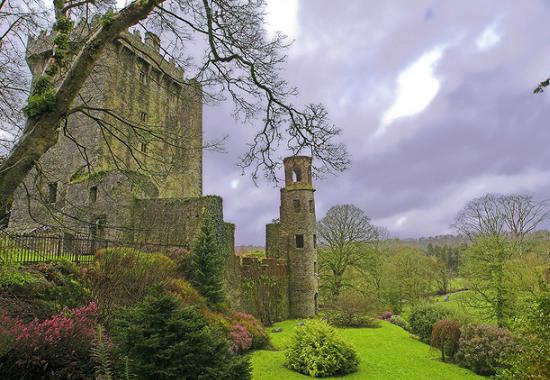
[
  {"x": 41, "y": 290},
  {"x": 124, "y": 276},
  {"x": 41, "y": 85},
  {"x": 207, "y": 262},
  {"x": 445, "y": 336},
  {"x": 182, "y": 258},
  {"x": 63, "y": 25},
  {"x": 483, "y": 347},
  {"x": 107, "y": 18},
  {"x": 400, "y": 321},
  {"x": 166, "y": 341},
  {"x": 102, "y": 356},
  {"x": 423, "y": 317},
  {"x": 530, "y": 360},
  {"x": 408, "y": 276},
  {"x": 12, "y": 275},
  {"x": 61, "y": 41},
  {"x": 38, "y": 104},
  {"x": 485, "y": 268},
  {"x": 338, "y": 318},
  {"x": 316, "y": 351}
]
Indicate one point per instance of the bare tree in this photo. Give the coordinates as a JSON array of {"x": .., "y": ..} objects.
[
  {"x": 542, "y": 85},
  {"x": 513, "y": 215},
  {"x": 341, "y": 233},
  {"x": 239, "y": 60}
]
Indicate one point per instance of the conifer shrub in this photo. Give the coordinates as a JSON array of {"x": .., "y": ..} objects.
[
  {"x": 422, "y": 319},
  {"x": 207, "y": 262},
  {"x": 164, "y": 340},
  {"x": 56, "y": 348},
  {"x": 445, "y": 337},
  {"x": 316, "y": 351},
  {"x": 482, "y": 348}
]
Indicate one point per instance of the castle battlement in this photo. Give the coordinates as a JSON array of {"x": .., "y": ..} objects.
[{"x": 147, "y": 49}]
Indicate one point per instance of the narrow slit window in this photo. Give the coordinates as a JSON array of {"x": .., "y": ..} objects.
[
  {"x": 314, "y": 241},
  {"x": 93, "y": 194},
  {"x": 142, "y": 77},
  {"x": 143, "y": 116},
  {"x": 52, "y": 192},
  {"x": 143, "y": 148},
  {"x": 296, "y": 205},
  {"x": 299, "y": 241}
]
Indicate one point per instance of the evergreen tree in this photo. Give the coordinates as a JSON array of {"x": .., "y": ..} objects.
[{"x": 207, "y": 262}]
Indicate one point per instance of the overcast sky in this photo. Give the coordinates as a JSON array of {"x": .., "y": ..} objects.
[{"x": 434, "y": 99}]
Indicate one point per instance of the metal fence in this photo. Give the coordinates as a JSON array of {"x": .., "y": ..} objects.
[{"x": 36, "y": 248}]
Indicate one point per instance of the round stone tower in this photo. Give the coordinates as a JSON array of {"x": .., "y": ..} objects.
[{"x": 298, "y": 236}]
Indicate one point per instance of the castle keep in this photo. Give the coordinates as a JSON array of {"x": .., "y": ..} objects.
[
  {"x": 133, "y": 153},
  {"x": 127, "y": 168}
]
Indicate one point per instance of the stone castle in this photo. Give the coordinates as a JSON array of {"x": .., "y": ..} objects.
[{"x": 128, "y": 167}]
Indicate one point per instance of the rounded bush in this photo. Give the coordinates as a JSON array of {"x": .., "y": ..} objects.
[
  {"x": 423, "y": 318},
  {"x": 316, "y": 351},
  {"x": 445, "y": 336},
  {"x": 481, "y": 348}
]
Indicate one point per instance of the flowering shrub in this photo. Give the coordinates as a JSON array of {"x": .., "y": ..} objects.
[
  {"x": 260, "y": 338},
  {"x": 240, "y": 338},
  {"x": 58, "y": 347},
  {"x": 445, "y": 336},
  {"x": 386, "y": 315},
  {"x": 482, "y": 347}
]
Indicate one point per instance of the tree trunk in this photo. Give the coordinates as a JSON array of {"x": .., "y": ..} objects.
[{"x": 40, "y": 133}]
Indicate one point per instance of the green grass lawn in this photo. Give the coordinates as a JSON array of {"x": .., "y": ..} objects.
[{"x": 386, "y": 353}]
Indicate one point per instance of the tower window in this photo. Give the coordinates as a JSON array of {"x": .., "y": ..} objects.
[
  {"x": 315, "y": 267},
  {"x": 93, "y": 194},
  {"x": 296, "y": 174},
  {"x": 142, "y": 77},
  {"x": 52, "y": 192},
  {"x": 314, "y": 241},
  {"x": 311, "y": 206},
  {"x": 143, "y": 147},
  {"x": 296, "y": 205},
  {"x": 299, "y": 241},
  {"x": 143, "y": 116}
]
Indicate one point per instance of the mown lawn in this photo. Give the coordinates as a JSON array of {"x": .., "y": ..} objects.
[{"x": 386, "y": 353}]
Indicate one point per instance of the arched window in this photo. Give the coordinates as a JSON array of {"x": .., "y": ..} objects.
[{"x": 296, "y": 174}]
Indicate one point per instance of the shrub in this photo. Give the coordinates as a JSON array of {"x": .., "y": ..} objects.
[
  {"x": 182, "y": 258},
  {"x": 240, "y": 338},
  {"x": 530, "y": 360},
  {"x": 386, "y": 315},
  {"x": 338, "y": 318},
  {"x": 42, "y": 290},
  {"x": 260, "y": 339},
  {"x": 422, "y": 319},
  {"x": 481, "y": 348},
  {"x": 57, "y": 348},
  {"x": 400, "y": 321},
  {"x": 164, "y": 340},
  {"x": 184, "y": 292},
  {"x": 123, "y": 276},
  {"x": 316, "y": 351},
  {"x": 445, "y": 336}
]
